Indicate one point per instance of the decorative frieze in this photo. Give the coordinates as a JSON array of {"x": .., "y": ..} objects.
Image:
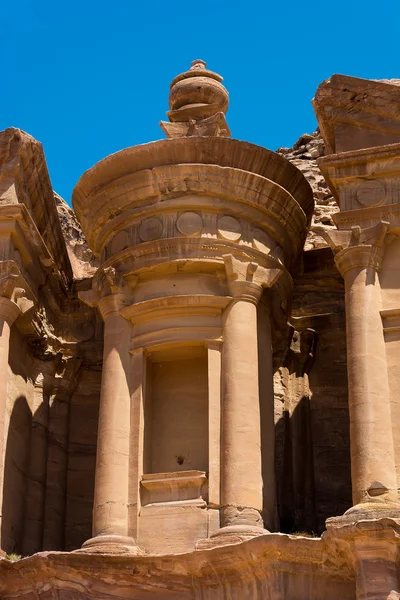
[{"x": 190, "y": 224}]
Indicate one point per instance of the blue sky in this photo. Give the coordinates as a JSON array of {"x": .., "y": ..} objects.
[{"x": 89, "y": 78}]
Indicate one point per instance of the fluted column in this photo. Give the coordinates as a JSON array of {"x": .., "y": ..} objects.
[
  {"x": 241, "y": 465},
  {"x": 9, "y": 311},
  {"x": 358, "y": 256}
]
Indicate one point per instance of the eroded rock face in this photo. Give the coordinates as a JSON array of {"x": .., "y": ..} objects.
[
  {"x": 83, "y": 261},
  {"x": 304, "y": 154}
]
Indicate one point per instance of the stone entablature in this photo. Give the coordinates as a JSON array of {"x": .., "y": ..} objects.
[
  {"x": 364, "y": 179},
  {"x": 243, "y": 181}
]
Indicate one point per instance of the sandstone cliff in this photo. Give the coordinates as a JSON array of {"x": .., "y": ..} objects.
[{"x": 304, "y": 155}]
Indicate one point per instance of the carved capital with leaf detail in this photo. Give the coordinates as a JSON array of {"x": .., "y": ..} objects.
[
  {"x": 357, "y": 247},
  {"x": 246, "y": 280},
  {"x": 109, "y": 292}
]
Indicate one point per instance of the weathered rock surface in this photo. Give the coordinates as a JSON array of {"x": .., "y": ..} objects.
[
  {"x": 259, "y": 568},
  {"x": 83, "y": 261},
  {"x": 304, "y": 154},
  {"x": 354, "y": 113}
]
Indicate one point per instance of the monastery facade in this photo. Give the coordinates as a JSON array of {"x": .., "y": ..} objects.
[{"x": 199, "y": 380}]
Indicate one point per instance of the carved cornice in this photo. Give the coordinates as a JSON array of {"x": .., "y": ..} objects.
[
  {"x": 211, "y": 191},
  {"x": 391, "y": 323},
  {"x": 190, "y": 151},
  {"x": 176, "y": 320},
  {"x": 357, "y": 247},
  {"x": 188, "y": 254},
  {"x": 363, "y": 179},
  {"x": 175, "y": 305},
  {"x": 243, "y": 181},
  {"x": 365, "y": 217}
]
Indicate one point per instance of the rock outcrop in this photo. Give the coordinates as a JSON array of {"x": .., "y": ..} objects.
[
  {"x": 83, "y": 261},
  {"x": 304, "y": 154}
]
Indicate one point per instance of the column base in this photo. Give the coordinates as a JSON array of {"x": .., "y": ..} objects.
[
  {"x": 231, "y": 534},
  {"x": 367, "y": 511},
  {"x": 111, "y": 544}
]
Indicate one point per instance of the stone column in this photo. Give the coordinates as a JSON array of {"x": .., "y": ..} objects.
[
  {"x": 111, "y": 531},
  {"x": 241, "y": 468},
  {"x": 241, "y": 479},
  {"x": 9, "y": 311},
  {"x": 358, "y": 255},
  {"x": 111, "y": 497},
  {"x": 214, "y": 422}
]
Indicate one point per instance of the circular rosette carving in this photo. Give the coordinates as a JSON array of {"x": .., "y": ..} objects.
[
  {"x": 119, "y": 242},
  {"x": 371, "y": 192},
  {"x": 189, "y": 223},
  {"x": 262, "y": 241},
  {"x": 150, "y": 229},
  {"x": 229, "y": 228}
]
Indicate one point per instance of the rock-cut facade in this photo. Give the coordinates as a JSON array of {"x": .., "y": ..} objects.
[{"x": 199, "y": 362}]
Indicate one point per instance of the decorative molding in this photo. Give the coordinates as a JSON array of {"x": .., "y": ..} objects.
[
  {"x": 182, "y": 304},
  {"x": 187, "y": 336},
  {"x": 391, "y": 322},
  {"x": 134, "y": 198}
]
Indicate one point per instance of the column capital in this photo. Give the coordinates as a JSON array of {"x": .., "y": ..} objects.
[
  {"x": 246, "y": 280},
  {"x": 357, "y": 247},
  {"x": 109, "y": 293},
  {"x": 13, "y": 298}
]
